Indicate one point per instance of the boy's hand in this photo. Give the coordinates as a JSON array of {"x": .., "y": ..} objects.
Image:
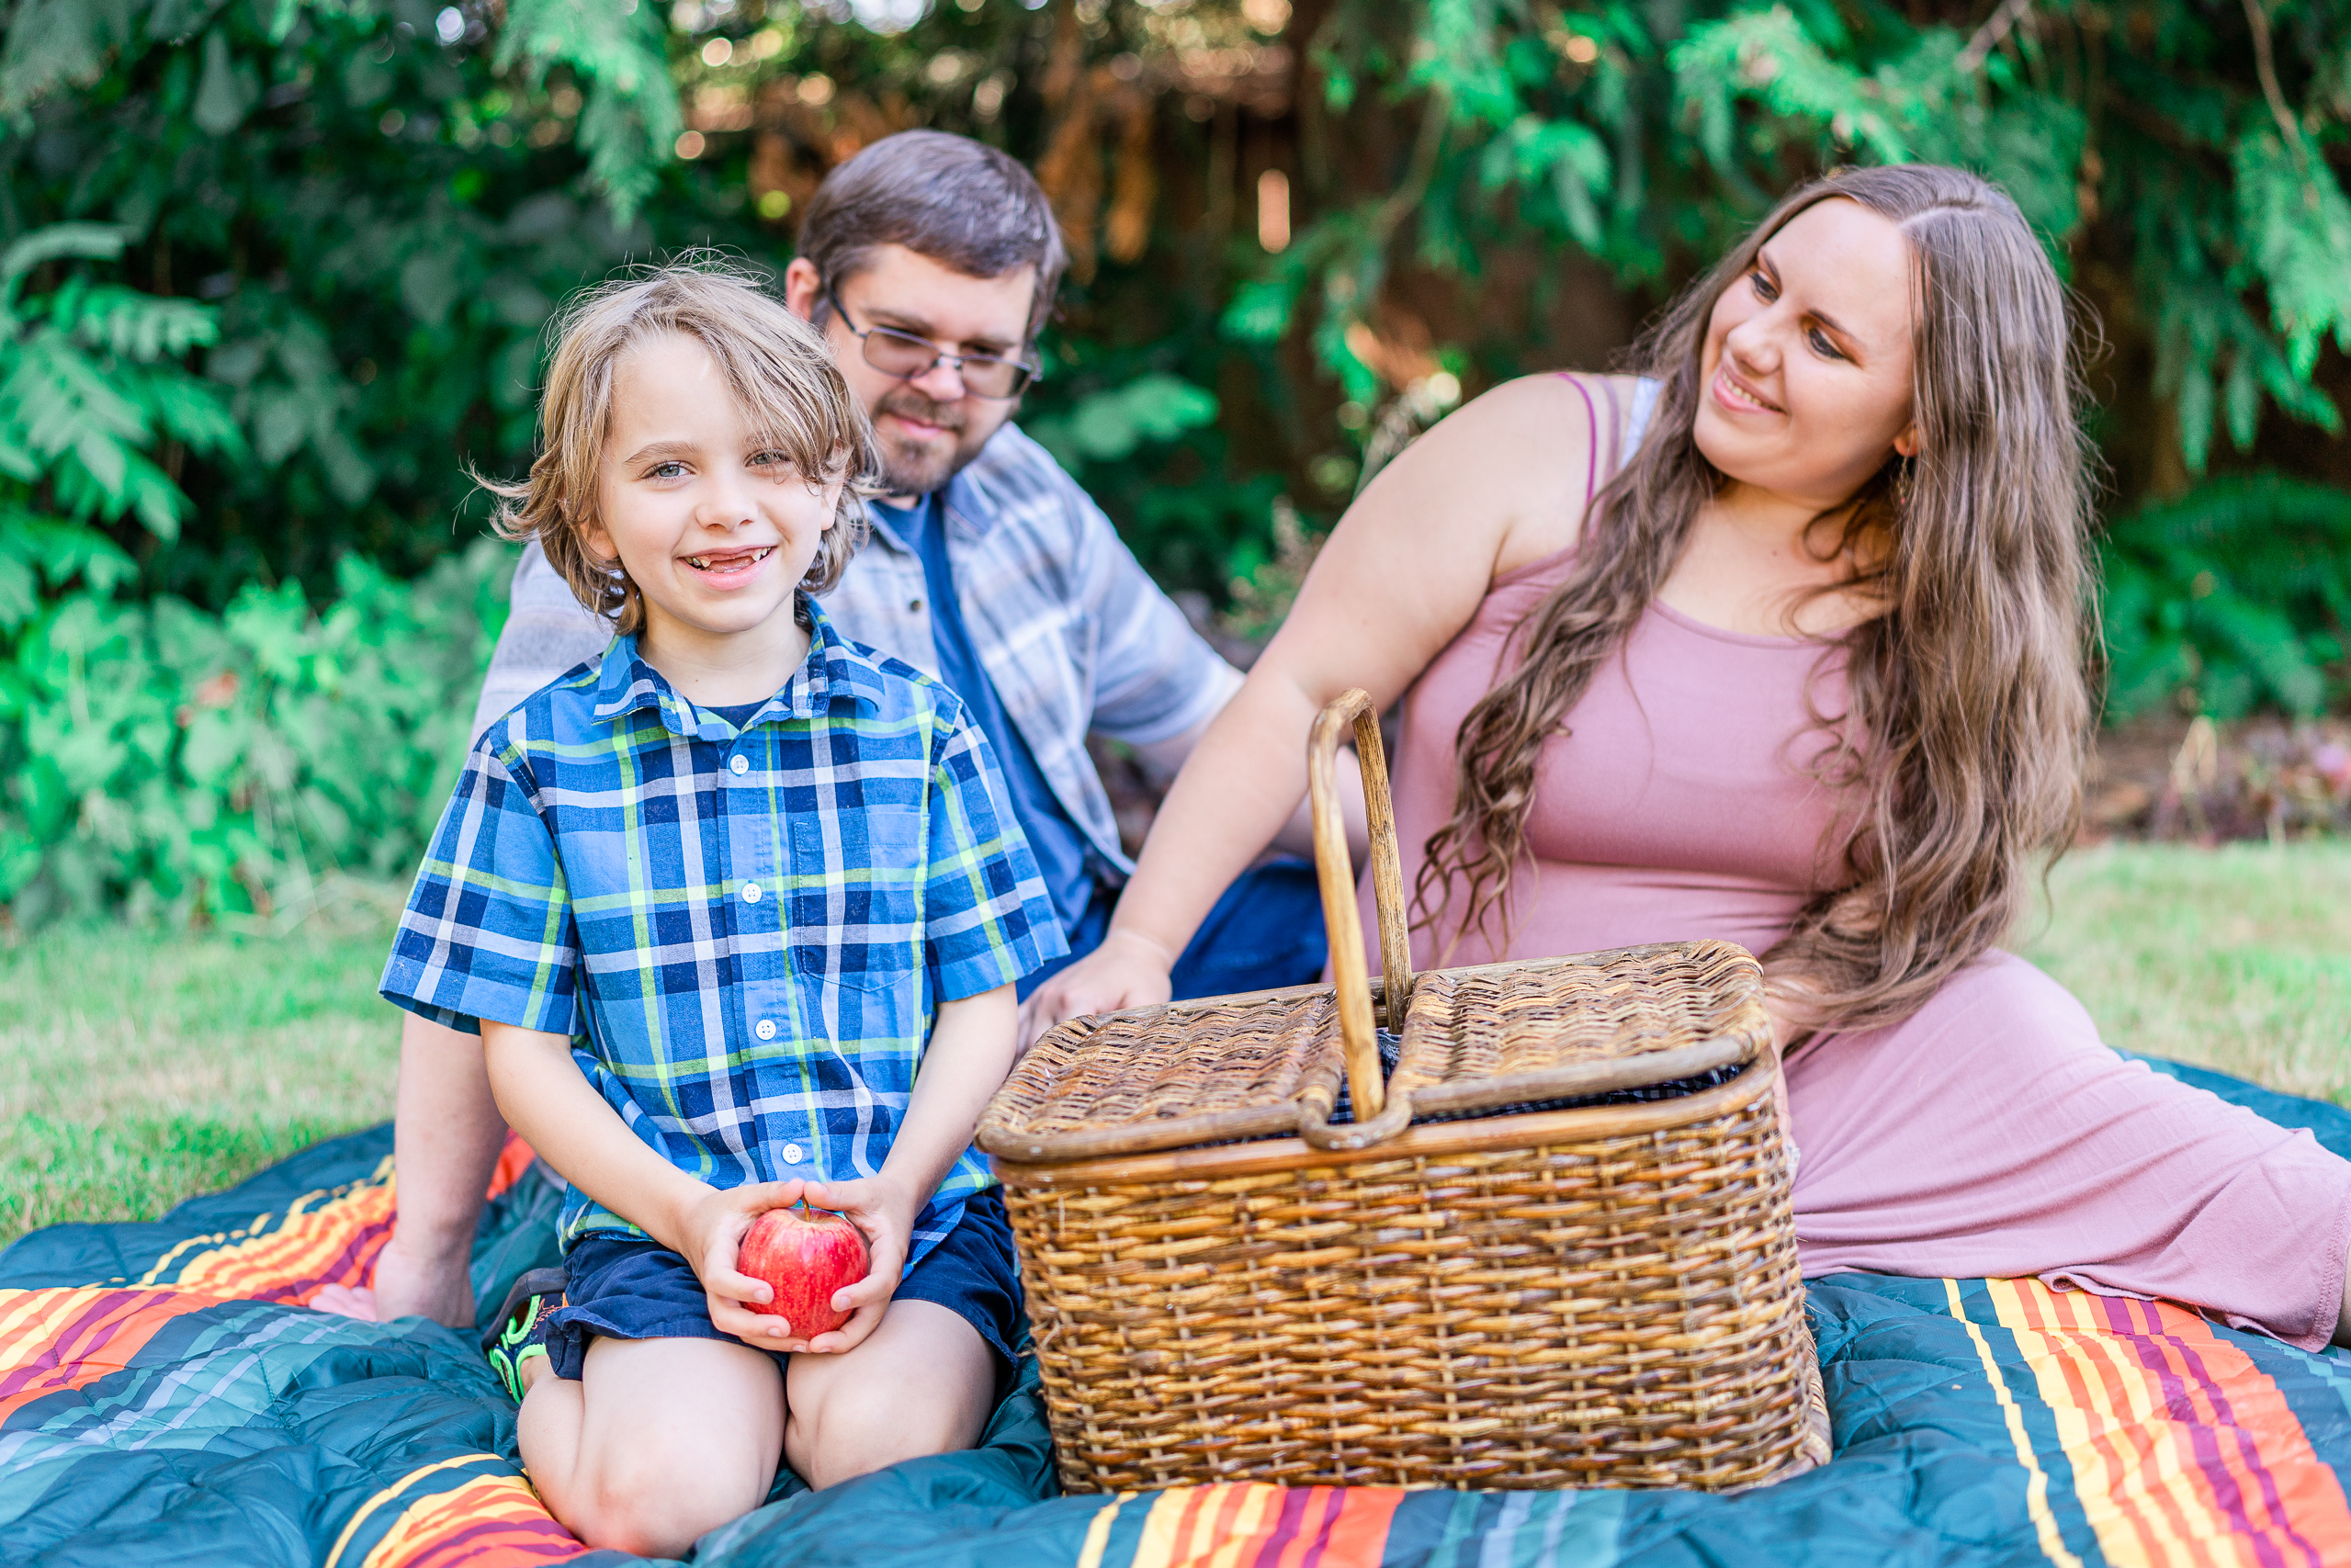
[
  {"x": 714, "y": 1229},
  {"x": 884, "y": 1212}
]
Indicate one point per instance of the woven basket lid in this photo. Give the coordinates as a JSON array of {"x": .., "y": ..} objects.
[{"x": 1270, "y": 1064}]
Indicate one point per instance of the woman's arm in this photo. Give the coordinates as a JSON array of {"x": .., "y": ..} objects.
[{"x": 1495, "y": 486}]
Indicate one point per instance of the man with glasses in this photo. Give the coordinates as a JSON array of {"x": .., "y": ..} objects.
[{"x": 930, "y": 262}]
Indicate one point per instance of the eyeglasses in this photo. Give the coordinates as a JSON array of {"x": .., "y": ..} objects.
[{"x": 904, "y": 355}]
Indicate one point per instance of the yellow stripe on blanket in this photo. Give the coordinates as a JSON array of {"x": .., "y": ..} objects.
[
  {"x": 2044, "y": 1520},
  {"x": 492, "y": 1521},
  {"x": 1258, "y": 1525},
  {"x": 2184, "y": 1452},
  {"x": 55, "y": 1341},
  {"x": 488, "y": 1520}
]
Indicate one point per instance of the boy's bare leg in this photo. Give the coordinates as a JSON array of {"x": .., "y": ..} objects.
[
  {"x": 922, "y": 1382},
  {"x": 659, "y": 1442},
  {"x": 447, "y": 1134}
]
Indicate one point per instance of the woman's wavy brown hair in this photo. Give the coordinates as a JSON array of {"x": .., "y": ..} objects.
[
  {"x": 782, "y": 374},
  {"x": 1960, "y": 753}
]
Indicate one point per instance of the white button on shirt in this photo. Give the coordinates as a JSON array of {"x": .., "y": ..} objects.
[
  {"x": 751, "y": 892},
  {"x": 739, "y": 765},
  {"x": 792, "y": 1153},
  {"x": 765, "y": 1029}
]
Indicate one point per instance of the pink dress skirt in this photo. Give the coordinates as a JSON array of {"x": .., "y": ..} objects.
[{"x": 1992, "y": 1133}]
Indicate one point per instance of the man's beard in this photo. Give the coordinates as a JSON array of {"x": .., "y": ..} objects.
[{"x": 919, "y": 472}]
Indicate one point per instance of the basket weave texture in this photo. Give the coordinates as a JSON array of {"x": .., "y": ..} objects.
[{"x": 1225, "y": 1282}]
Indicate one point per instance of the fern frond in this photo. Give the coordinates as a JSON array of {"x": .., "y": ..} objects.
[
  {"x": 134, "y": 325},
  {"x": 65, "y": 403},
  {"x": 96, "y": 242},
  {"x": 2238, "y": 590},
  {"x": 188, "y": 411},
  {"x": 632, "y": 116}
]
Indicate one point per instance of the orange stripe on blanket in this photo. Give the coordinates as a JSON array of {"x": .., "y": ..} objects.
[
  {"x": 492, "y": 1521},
  {"x": 1258, "y": 1525},
  {"x": 1357, "y": 1533},
  {"x": 2184, "y": 1452},
  {"x": 329, "y": 1237},
  {"x": 54, "y": 1340},
  {"x": 514, "y": 1158}
]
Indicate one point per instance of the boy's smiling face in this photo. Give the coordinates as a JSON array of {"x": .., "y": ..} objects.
[{"x": 714, "y": 527}]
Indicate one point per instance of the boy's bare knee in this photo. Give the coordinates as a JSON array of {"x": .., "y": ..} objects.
[
  {"x": 656, "y": 1510},
  {"x": 852, "y": 1431},
  {"x": 923, "y": 1386}
]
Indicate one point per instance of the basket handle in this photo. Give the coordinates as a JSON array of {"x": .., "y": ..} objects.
[{"x": 1335, "y": 871}]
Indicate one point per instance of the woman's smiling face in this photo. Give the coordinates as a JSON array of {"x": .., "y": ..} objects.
[
  {"x": 715, "y": 527},
  {"x": 1806, "y": 369}
]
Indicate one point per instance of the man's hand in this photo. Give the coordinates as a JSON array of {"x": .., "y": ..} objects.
[
  {"x": 1128, "y": 970},
  {"x": 448, "y": 1138},
  {"x": 404, "y": 1285}
]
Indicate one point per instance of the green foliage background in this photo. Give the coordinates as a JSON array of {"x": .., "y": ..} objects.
[{"x": 273, "y": 272}]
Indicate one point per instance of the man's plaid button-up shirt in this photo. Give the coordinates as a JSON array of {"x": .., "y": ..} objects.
[{"x": 746, "y": 933}]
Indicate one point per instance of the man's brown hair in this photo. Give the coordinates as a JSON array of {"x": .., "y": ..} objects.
[
  {"x": 960, "y": 202},
  {"x": 779, "y": 369}
]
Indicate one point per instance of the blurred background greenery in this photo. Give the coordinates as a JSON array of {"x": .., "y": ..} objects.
[{"x": 275, "y": 273}]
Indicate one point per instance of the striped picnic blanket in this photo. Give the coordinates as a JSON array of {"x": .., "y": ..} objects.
[{"x": 166, "y": 1396}]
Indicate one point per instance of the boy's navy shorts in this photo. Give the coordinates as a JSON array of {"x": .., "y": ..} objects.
[{"x": 626, "y": 1287}]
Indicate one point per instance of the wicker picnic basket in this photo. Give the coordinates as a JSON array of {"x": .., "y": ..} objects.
[{"x": 1248, "y": 1255}]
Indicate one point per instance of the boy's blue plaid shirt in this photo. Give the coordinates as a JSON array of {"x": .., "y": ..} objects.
[{"x": 746, "y": 934}]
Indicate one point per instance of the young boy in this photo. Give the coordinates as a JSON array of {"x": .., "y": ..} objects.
[{"x": 708, "y": 903}]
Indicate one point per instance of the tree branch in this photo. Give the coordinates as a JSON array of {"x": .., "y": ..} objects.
[
  {"x": 1987, "y": 38},
  {"x": 2267, "y": 66},
  {"x": 1423, "y": 167}
]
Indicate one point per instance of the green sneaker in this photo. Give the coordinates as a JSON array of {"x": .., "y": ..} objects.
[{"x": 519, "y": 1331}]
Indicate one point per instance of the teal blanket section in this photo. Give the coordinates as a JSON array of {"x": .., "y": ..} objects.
[{"x": 251, "y": 1434}]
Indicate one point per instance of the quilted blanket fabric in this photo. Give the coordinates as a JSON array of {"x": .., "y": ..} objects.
[{"x": 166, "y": 1397}]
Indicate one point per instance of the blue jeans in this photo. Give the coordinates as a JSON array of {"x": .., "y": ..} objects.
[{"x": 1265, "y": 932}]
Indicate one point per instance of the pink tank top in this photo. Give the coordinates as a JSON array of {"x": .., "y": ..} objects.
[{"x": 1679, "y": 806}]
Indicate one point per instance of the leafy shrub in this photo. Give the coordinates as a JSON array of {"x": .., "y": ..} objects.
[
  {"x": 271, "y": 275},
  {"x": 2235, "y": 596},
  {"x": 177, "y": 762},
  {"x": 90, "y": 385}
]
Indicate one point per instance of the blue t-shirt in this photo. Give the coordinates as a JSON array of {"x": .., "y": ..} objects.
[{"x": 1063, "y": 855}]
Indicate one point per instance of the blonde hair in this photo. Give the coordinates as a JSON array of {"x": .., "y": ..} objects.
[{"x": 779, "y": 369}]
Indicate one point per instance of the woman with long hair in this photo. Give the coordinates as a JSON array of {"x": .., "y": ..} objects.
[{"x": 1783, "y": 642}]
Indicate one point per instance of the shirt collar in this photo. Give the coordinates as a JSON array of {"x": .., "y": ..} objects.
[
  {"x": 835, "y": 671},
  {"x": 966, "y": 498}
]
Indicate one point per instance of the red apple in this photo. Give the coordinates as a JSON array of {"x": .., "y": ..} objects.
[{"x": 804, "y": 1254}]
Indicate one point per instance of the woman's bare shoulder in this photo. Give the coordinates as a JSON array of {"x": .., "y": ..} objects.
[
  {"x": 1545, "y": 422},
  {"x": 1537, "y": 441}
]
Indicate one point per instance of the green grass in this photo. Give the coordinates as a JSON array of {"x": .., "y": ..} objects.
[
  {"x": 137, "y": 1068},
  {"x": 2237, "y": 958}
]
